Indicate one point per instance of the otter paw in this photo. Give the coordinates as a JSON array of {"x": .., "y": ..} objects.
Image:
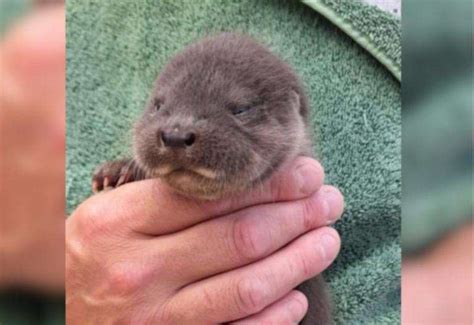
[{"x": 112, "y": 174}]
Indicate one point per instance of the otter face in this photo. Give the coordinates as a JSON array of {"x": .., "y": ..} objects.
[{"x": 223, "y": 115}]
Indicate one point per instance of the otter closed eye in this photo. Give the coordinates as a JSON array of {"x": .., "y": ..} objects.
[{"x": 237, "y": 110}]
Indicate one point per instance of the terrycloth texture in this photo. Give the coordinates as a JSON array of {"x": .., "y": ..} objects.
[{"x": 115, "y": 49}]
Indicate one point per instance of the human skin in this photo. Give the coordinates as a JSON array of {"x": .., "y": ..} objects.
[
  {"x": 32, "y": 99},
  {"x": 438, "y": 285},
  {"x": 143, "y": 254}
]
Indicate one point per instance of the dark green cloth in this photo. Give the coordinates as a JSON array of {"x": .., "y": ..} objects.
[
  {"x": 115, "y": 49},
  {"x": 26, "y": 308}
]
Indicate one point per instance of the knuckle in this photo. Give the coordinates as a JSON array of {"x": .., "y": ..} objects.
[
  {"x": 246, "y": 238},
  {"x": 87, "y": 211},
  {"x": 174, "y": 311},
  {"x": 304, "y": 265},
  {"x": 209, "y": 300},
  {"x": 76, "y": 254},
  {"x": 126, "y": 278},
  {"x": 307, "y": 211},
  {"x": 276, "y": 189},
  {"x": 250, "y": 297},
  {"x": 315, "y": 211},
  {"x": 92, "y": 219},
  {"x": 166, "y": 315},
  {"x": 171, "y": 311}
]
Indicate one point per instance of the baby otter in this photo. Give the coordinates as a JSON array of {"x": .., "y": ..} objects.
[{"x": 223, "y": 116}]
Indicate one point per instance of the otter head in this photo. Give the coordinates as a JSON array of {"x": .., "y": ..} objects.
[{"x": 222, "y": 116}]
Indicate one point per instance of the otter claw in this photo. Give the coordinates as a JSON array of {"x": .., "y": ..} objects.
[
  {"x": 112, "y": 174},
  {"x": 95, "y": 187},
  {"x": 121, "y": 180}
]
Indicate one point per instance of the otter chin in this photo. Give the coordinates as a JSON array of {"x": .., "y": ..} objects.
[
  {"x": 198, "y": 171},
  {"x": 194, "y": 185},
  {"x": 200, "y": 183},
  {"x": 222, "y": 116}
]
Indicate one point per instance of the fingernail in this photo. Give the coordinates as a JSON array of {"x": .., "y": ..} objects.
[
  {"x": 329, "y": 246},
  {"x": 333, "y": 201},
  {"x": 307, "y": 178}
]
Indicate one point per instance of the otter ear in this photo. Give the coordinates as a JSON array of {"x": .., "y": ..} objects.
[{"x": 295, "y": 101}]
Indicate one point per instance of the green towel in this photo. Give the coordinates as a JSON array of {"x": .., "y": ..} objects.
[{"x": 115, "y": 49}]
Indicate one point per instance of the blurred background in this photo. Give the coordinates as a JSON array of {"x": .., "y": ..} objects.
[
  {"x": 437, "y": 229},
  {"x": 32, "y": 109}
]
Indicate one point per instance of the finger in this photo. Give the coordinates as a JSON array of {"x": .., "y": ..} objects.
[
  {"x": 248, "y": 235},
  {"x": 250, "y": 289},
  {"x": 291, "y": 309},
  {"x": 150, "y": 207}
]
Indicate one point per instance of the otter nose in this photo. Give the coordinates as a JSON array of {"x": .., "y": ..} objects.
[{"x": 177, "y": 139}]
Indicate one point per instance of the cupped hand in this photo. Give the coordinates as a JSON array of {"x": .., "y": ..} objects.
[{"x": 142, "y": 254}]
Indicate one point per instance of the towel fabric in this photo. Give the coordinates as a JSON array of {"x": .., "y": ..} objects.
[
  {"x": 115, "y": 49},
  {"x": 376, "y": 31}
]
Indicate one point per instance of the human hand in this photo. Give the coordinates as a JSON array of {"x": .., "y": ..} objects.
[
  {"x": 32, "y": 101},
  {"x": 142, "y": 254}
]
